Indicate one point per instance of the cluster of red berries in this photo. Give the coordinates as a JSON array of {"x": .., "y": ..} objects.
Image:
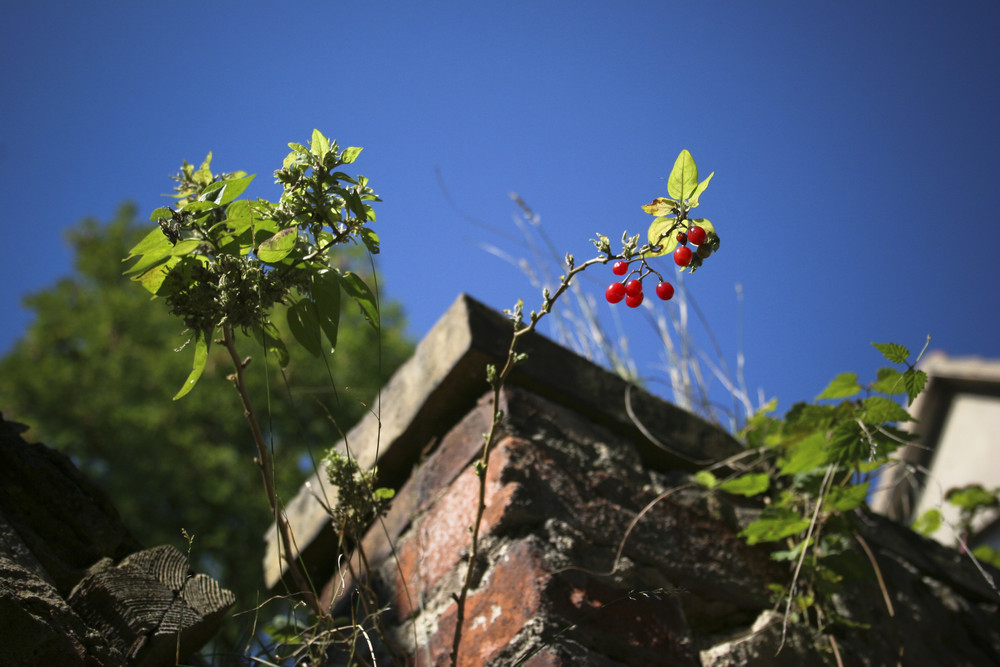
[{"x": 631, "y": 290}]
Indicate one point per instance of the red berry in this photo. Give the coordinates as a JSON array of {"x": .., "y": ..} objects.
[
  {"x": 620, "y": 268},
  {"x": 633, "y": 301},
  {"x": 614, "y": 293},
  {"x": 697, "y": 235},
  {"x": 682, "y": 255},
  {"x": 633, "y": 288},
  {"x": 665, "y": 291},
  {"x": 682, "y": 238}
]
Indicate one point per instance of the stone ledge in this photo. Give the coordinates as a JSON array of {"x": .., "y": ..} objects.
[{"x": 443, "y": 380}]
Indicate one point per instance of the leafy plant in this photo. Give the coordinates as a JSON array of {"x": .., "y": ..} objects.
[
  {"x": 222, "y": 264},
  {"x": 812, "y": 469},
  {"x": 972, "y": 501}
]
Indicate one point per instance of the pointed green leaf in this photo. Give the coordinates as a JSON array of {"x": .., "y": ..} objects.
[
  {"x": 320, "y": 145},
  {"x": 305, "y": 327},
  {"x": 897, "y": 354},
  {"x": 842, "y": 386},
  {"x": 231, "y": 188},
  {"x": 662, "y": 233},
  {"x": 358, "y": 290},
  {"x": 844, "y": 499},
  {"x": 326, "y": 295},
  {"x": 278, "y": 247},
  {"x": 161, "y": 212},
  {"x": 748, "y": 485},
  {"x": 882, "y": 410},
  {"x": 914, "y": 381},
  {"x": 204, "y": 174},
  {"x": 269, "y": 338},
  {"x": 200, "y": 358},
  {"x": 683, "y": 180},
  {"x": 153, "y": 240},
  {"x": 701, "y": 188},
  {"x": 808, "y": 454},
  {"x": 889, "y": 382},
  {"x": 972, "y": 497},
  {"x": 776, "y": 523},
  {"x": 152, "y": 257},
  {"x": 350, "y": 154},
  {"x": 153, "y": 279}
]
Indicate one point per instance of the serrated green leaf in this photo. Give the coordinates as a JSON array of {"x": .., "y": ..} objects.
[
  {"x": 847, "y": 444},
  {"x": 844, "y": 499},
  {"x": 231, "y": 188},
  {"x": 928, "y": 523},
  {"x": 304, "y": 325},
  {"x": 842, "y": 386},
  {"x": 362, "y": 295},
  {"x": 889, "y": 381},
  {"x": 198, "y": 366},
  {"x": 277, "y": 247},
  {"x": 882, "y": 410},
  {"x": 326, "y": 295},
  {"x": 706, "y": 479},
  {"x": 750, "y": 484},
  {"x": 897, "y": 354},
  {"x": 660, "y": 234},
  {"x": 775, "y": 524},
  {"x": 683, "y": 179},
  {"x": 350, "y": 154},
  {"x": 914, "y": 381},
  {"x": 320, "y": 145},
  {"x": 808, "y": 454}
]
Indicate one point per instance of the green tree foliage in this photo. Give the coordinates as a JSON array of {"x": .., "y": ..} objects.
[{"x": 92, "y": 379}]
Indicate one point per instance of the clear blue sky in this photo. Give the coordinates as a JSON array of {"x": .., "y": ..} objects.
[{"x": 855, "y": 146}]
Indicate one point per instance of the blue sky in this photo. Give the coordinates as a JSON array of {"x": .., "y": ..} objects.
[{"x": 854, "y": 146}]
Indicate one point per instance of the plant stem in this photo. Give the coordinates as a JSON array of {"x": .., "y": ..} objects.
[
  {"x": 263, "y": 461},
  {"x": 498, "y": 383}
]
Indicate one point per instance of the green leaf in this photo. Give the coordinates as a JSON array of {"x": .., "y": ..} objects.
[
  {"x": 383, "y": 493},
  {"x": 914, "y": 381},
  {"x": 350, "y": 154},
  {"x": 701, "y": 188},
  {"x": 928, "y": 523},
  {"x": 161, "y": 212},
  {"x": 890, "y": 382},
  {"x": 683, "y": 180},
  {"x": 706, "y": 479},
  {"x": 153, "y": 279},
  {"x": 362, "y": 295},
  {"x": 152, "y": 256},
  {"x": 204, "y": 174},
  {"x": 269, "y": 338},
  {"x": 810, "y": 453},
  {"x": 305, "y": 327},
  {"x": 278, "y": 247},
  {"x": 882, "y": 410},
  {"x": 326, "y": 295},
  {"x": 320, "y": 145},
  {"x": 987, "y": 554},
  {"x": 200, "y": 359},
  {"x": 842, "y": 386},
  {"x": 847, "y": 444},
  {"x": 897, "y": 354},
  {"x": 155, "y": 239},
  {"x": 776, "y": 523},
  {"x": 971, "y": 497},
  {"x": 660, "y": 234},
  {"x": 748, "y": 485},
  {"x": 199, "y": 206},
  {"x": 844, "y": 499},
  {"x": 370, "y": 239},
  {"x": 231, "y": 188}
]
